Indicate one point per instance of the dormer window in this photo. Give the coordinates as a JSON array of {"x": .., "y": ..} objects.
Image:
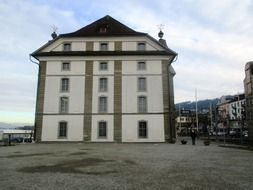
[
  {"x": 67, "y": 47},
  {"x": 141, "y": 46},
  {"x": 103, "y": 46}
]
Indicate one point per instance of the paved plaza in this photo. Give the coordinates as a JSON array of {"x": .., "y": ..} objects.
[{"x": 124, "y": 166}]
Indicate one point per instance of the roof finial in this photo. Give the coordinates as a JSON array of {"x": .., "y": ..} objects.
[
  {"x": 160, "y": 34},
  {"x": 54, "y": 35}
]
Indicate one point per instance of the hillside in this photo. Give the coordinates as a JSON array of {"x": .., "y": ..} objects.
[{"x": 202, "y": 104}]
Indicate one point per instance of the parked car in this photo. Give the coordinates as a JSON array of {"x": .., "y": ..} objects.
[
  {"x": 234, "y": 132},
  {"x": 28, "y": 140},
  {"x": 15, "y": 139},
  {"x": 245, "y": 133}
]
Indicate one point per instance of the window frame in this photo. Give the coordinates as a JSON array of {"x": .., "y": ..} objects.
[
  {"x": 141, "y": 46},
  {"x": 139, "y": 87},
  {"x": 106, "y": 129},
  {"x": 66, "y": 110},
  {"x": 65, "y": 69},
  {"x": 139, "y": 108},
  {"x": 103, "y": 63},
  {"x": 62, "y": 85},
  {"x": 66, "y": 130},
  {"x": 138, "y": 129},
  {"x": 139, "y": 68},
  {"x": 101, "y": 48},
  {"x": 67, "y": 44},
  {"x": 99, "y": 104},
  {"x": 104, "y": 85}
]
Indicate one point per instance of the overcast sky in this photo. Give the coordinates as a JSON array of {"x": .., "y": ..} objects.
[{"x": 213, "y": 40}]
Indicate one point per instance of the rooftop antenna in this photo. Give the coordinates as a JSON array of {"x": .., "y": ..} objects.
[
  {"x": 54, "y": 35},
  {"x": 160, "y": 27}
]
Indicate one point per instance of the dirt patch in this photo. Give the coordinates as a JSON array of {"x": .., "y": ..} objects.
[
  {"x": 26, "y": 155},
  {"x": 85, "y": 149},
  {"x": 130, "y": 162},
  {"x": 71, "y": 166},
  {"x": 78, "y": 153}
]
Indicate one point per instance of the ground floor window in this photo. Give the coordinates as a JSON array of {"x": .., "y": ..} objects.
[
  {"x": 102, "y": 129},
  {"x": 62, "y": 131},
  {"x": 142, "y": 129}
]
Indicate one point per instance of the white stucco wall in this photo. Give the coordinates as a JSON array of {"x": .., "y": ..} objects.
[
  {"x": 130, "y": 128},
  {"x": 97, "y": 71},
  {"x": 109, "y": 94},
  {"x": 51, "y": 124},
  {"x": 79, "y": 44},
  {"x": 55, "y": 68},
  {"x": 154, "y": 92},
  {"x": 97, "y": 45},
  {"x": 132, "y": 45},
  {"x": 152, "y": 67},
  {"x": 130, "y": 93},
  {"x": 94, "y": 130},
  {"x": 75, "y": 94}
]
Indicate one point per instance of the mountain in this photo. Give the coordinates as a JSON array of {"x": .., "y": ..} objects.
[
  {"x": 202, "y": 104},
  {"x": 4, "y": 125}
]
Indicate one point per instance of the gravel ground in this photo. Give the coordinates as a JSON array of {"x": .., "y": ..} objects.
[{"x": 124, "y": 166}]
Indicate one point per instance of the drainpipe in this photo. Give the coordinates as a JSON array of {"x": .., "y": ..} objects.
[
  {"x": 37, "y": 95},
  {"x": 169, "y": 102}
]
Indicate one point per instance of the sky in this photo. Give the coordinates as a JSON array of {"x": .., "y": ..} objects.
[{"x": 213, "y": 40}]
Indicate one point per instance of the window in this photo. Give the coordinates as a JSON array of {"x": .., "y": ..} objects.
[
  {"x": 62, "y": 131},
  {"x": 142, "y": 104},
  {"x": 103, "y": 29},
  {"x": 103, "y": 66},
  {"x": 142, "y": 84},
  {"x": 103, "y": 46},
  {"x": 65, "y": 85},
  {"x": 64, "y": 104},
  {"x": 141, "y": 65},
  {"x": 67, "y": 47},
  {"x": 65, "y": 66},
  {"x": 102, "y": 129},
  {"x": 103, "y": 84},
  {"x": 102, "y": 104},
  {"x": 143, "y": 129},
  {"x": 141, "y": 46}
]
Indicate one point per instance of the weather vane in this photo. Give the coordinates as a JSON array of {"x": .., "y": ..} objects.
[
  {"x": 54, "y": 35},
  {"x": 160, "y": 26},
  {"x": 54, "y": 28}
]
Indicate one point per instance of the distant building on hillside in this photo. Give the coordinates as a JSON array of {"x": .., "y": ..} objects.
[
  {"x": 248, "y": 88},
  {"x": 105, "y": 83}
]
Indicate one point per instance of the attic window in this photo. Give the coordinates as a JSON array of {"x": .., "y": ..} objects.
[
  {"x": 141, "y": 46},
  {"x": 103, "y": 46},
  {"x": 103, "y": 29},
  {"x": 66, "y": 47}
]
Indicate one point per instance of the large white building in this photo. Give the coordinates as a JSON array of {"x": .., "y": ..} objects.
[{"x": 105, "y": 83}]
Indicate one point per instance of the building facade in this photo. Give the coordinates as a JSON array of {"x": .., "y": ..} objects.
[
  {"x": 105, "y": 83},
  {"x": 248, "y": 88}
]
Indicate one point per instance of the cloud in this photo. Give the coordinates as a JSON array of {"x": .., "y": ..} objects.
[
  {"x": 25, "y": 26},
  {"x": 213, "y": 40}
]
